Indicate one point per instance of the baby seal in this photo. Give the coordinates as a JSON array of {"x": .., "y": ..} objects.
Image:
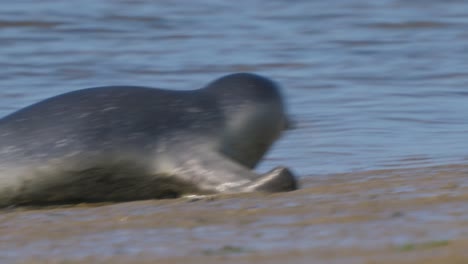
[{"x": 122, "y": 143}]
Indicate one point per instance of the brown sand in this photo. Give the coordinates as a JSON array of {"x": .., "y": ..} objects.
[{"x": 388, "y": 216}]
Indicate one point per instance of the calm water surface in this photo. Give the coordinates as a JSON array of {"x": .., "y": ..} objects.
[
  {"x": 371, "y": 84},
  {"x": 379, "y": 84}
]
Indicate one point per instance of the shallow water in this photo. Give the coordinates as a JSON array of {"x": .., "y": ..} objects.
[{"x": 372, "y": 84}]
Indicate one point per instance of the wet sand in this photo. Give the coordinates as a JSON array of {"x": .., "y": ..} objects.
[{"x": 386, "y": 216}]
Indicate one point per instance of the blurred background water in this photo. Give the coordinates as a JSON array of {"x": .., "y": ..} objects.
[{"x": 371, "y": 84}]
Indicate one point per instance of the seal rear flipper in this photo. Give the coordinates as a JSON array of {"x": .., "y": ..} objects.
[{"x": 279, "y": 179}]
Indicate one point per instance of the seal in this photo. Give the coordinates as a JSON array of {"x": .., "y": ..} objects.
[{"x": 122, "y": 143}]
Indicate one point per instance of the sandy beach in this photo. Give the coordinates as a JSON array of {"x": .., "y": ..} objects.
[{"x": 387, "y": 216}]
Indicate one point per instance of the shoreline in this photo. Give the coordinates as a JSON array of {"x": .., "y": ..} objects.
[{"x": 417, "y": 215}]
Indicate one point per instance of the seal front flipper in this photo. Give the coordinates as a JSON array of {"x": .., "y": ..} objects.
[
  {"x": 280, "y": 179},
  {"x": 213, "y": 172}
]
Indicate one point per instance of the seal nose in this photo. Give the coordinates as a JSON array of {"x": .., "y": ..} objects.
[
  {"x": 289, "y": 123},
  {"x": 279, "y": 179}
]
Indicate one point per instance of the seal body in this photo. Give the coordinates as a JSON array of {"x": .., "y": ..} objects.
[{"x": 121, "y": 143}]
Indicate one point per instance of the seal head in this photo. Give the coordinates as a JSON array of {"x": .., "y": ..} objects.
[{"x": 254, "y": 115}]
